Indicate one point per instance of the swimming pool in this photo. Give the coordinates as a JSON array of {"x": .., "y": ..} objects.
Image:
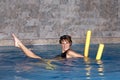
[{"x": 14, "y": 65}]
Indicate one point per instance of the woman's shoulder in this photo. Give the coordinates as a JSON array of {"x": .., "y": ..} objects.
[
  {"x": 71, "y": 51},
  {"x": 74, "y": 54}
]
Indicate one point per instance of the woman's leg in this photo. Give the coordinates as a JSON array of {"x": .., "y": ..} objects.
[{"x": 20, "y": 45}]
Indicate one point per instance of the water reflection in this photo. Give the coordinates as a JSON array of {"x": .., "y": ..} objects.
[
  {"x": 89, "y": 68},
  {"x": 88, "y": 71},
  {"x": 100, "y": 68}
]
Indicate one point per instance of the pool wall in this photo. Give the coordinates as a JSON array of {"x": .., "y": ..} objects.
[{"x": 44, "y": 21}]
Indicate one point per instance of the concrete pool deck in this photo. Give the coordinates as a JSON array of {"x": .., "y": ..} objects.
[{"x": 10, "y": 42}]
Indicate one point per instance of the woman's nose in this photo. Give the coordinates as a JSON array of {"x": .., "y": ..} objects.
[{"x": 64, "y": 45}]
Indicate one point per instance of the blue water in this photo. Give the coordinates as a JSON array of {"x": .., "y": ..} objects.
[{"x": 14, "y": 65}]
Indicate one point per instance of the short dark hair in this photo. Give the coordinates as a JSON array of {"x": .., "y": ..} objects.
[{"x": 65, "y": 37}]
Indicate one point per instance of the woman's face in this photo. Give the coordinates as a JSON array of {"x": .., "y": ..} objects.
[{"x": 65, "y": 45}]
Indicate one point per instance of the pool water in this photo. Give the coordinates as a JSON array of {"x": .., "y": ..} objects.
[{"x": 14, "y": 65}]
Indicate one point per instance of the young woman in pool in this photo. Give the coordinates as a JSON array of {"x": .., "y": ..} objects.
[{"x": 65, "y": 42}]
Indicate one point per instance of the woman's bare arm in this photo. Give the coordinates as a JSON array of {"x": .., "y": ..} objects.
[{"x": 74, "y": 54}]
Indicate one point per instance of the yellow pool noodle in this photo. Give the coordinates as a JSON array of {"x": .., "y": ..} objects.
[
  {"x": 87, "y": 44},
  {"x": 100, "y": 51}
]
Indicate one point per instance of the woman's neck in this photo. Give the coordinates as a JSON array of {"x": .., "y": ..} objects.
[{"x": 65, "y": 50}]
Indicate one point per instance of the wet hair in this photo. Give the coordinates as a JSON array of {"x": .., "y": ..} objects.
[{"x": 67, "y": 38}]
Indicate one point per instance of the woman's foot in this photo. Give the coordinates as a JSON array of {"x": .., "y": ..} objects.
[{"x": 17, "y": 42}]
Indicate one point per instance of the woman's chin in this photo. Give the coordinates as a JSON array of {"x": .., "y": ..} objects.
[{"x": 65, "y": 49}]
